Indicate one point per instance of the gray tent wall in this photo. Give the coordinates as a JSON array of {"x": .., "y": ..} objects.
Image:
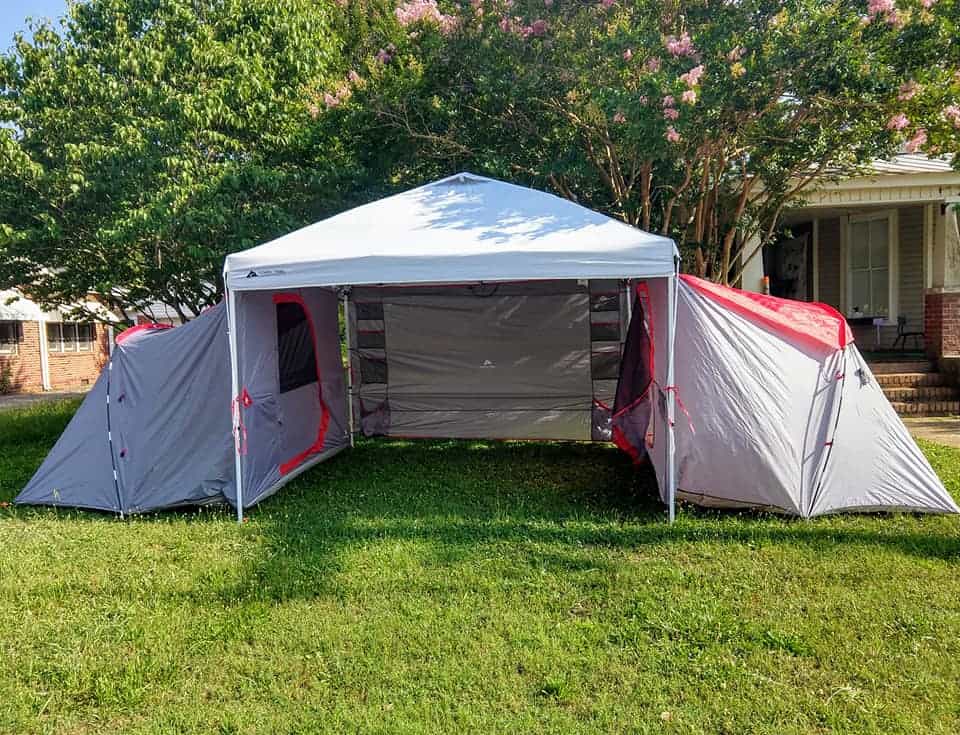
[
  {"x": 159, "y": 415},
  {"x": 530, "y": 360},
  {"x": 290, "y": 386}
]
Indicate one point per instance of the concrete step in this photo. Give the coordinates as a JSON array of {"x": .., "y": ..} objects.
[
  {"x": 922, "y": 393},
  {"x": 906, "y": 366},
  {"x": 926, "y": 408},
  {"x": 910, "y": 380}
]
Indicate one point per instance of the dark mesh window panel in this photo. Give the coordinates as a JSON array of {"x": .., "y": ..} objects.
[
  {"x": 369, "y": 310},
  {"x": 605, "y": 332},
  {"x": 295, "y": 350},
  {"x": 605, "y": 365},
  {"x": 369, "y": 340},
  {"x": 605, "y": 301},
  {"x": 373, "y": 370}
]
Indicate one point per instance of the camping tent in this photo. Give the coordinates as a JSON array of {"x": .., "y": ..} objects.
[{"x": 475, "y": 308}]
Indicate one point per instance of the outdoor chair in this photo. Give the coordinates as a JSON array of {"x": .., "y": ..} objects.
[{"x": 903, "y": 334}]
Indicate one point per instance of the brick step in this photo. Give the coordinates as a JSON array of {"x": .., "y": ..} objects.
[
  {"x": 923, "y": 393},
  {"x": 926, "y": 408},
  {"x": 906, "y": 366},
  {"x": 911, "y": 380}
]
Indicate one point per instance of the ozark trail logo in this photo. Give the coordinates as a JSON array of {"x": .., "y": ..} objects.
[{"x": 487, "y": 364}]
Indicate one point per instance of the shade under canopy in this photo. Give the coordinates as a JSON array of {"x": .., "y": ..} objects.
[{"x": 464, "y": 228}]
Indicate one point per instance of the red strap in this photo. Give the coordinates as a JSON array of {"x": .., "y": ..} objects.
[{"x": 676, "y": 392}]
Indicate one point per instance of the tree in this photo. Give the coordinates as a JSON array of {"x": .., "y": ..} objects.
[
  {"x": 701, "y": 119},
  {"x": 148, "y": 138}
]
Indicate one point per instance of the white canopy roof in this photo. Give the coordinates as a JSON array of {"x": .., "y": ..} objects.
[{"x": 464, "y": 228}]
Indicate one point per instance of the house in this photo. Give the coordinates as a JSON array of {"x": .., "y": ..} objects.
[
  {"x": 42, "y": 350},
  {"x": 884, "y": 249}
]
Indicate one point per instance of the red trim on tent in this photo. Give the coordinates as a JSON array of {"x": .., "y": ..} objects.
[
  {"x": 620, "y": 439},
  {"x": 139, "y": 329},
  {"x": 317, "y": 446},
  {"x": 813, "y": 325}
]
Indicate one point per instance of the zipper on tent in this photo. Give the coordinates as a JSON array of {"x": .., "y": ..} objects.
[{"x": 840, "y": 382}]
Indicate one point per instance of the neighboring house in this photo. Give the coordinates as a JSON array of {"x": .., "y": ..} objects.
[
  {"x": 878, "y": 247},
  {"x": 46, "y": 350}
]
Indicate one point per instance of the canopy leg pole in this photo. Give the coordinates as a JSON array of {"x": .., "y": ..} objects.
[
  {"x": 671, "y": 394},
  {"x": 236, "y": 406},
  {"x": 346, "y": 331}
]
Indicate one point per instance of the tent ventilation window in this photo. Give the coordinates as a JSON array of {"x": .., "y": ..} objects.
[{"x": 296, "y": 356}]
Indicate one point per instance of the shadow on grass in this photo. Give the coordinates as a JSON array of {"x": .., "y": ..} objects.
[
  {"x": 550, "y": 505},
  {"x": 543, "y": 503}
]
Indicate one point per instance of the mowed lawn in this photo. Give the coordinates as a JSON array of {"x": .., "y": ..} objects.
[{"x": 472, "y": 587}]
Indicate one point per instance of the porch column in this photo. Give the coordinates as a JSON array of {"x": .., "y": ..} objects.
[
  {"x": 752, "y": 278},
  {"x": 942, "y": 301}
]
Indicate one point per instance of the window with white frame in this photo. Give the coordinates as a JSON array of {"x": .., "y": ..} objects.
[
  {"x": 870, "y": 264},
  {"x": 9, "y": 337},
  {"x": 69, "y": 337}
]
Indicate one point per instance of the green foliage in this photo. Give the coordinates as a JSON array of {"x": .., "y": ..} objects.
[
  {"x": 596, "y": 101},
  {"x": 154, "y": 136},
  {"x": 418, "y": 587}
]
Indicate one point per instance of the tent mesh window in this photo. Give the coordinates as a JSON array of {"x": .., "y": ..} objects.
[{"x": 296, "y": 356}]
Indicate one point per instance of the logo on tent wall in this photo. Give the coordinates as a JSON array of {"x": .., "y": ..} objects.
[{"x": 487, "y": 364}]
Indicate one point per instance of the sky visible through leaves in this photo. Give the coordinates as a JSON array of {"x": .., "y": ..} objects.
[{"x": 13, "y": 15}]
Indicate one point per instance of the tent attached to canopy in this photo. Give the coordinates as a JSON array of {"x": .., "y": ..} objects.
[{"x": 479, "y": 309}]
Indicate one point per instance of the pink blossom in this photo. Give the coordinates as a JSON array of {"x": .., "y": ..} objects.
[
  {"x": 384, "y": 56},
  {"x": 548, "y": 3},
  {"x": 354, "y": 77},
  {"x": 880, "y": 7},
  {"x": 916, "y": 142},
  {"x": 538, "y": 27},
  {"x": 671, "y": 113},
  {"x": 898, "y": 122},
  {"x": 627, "y": 55},
  {"x": 952, "y": 113},
  {"x": 692, "y": 77},
  {"x": 607, "y": 4},
  {"x": 681, "y": 46},
  {"x": 669, "y": 101},
  {"x": 652, "y": 64},
  {"x": 415, "y": 11},
  {"x": 643, "y": 99},
  {"x": 619, "y": 118},
  {"x": 504, "y": 24},
  {"x": 908, "y": 90},
  {"x": 314, "y": 111},
  {"x": 330, "y": 100},
  {"x": 672, "y": 135},
  {"x": 736, "y": 53},
  {"x": 689, "y": 97},
  {"x": 927, "y": 4}
]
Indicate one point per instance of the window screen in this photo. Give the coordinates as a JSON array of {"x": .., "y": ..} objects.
[{"x": 296, "y": 356}]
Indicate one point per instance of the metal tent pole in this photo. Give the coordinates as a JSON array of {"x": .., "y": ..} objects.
[
  {"x": 671, "y": 394},
  {"x": 236, "y": 406},
  {"x": 346, "y": 331}
]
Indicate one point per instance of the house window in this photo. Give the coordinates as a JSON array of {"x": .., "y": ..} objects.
[
  {"x": 9, "y": 337},
  {"x": 70, "y": 337},
  {"x": 295, "y": 350},
  {"x": 869, "y": 267}
]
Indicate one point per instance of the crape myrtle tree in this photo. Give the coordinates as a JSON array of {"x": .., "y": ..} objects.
[
  {"x": 142, "y": 140},
  {"x": 699, "y": 119}
]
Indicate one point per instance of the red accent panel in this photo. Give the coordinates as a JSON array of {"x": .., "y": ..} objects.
[
  {"x": 317, "y": 446},
  {"x": 139, "y": 329},
  {"x": 620, "y": 439},
  {"x": 813, "y": 325}
]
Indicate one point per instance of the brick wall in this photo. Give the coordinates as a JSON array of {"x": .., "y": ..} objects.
[
  {"x": 68, "y": 370},
  {"x": 24, "y": 366},
  {"x": 942, "y": 324}
]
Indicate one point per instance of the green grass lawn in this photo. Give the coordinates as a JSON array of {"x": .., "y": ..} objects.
[{"x": 472, "y": 587}]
